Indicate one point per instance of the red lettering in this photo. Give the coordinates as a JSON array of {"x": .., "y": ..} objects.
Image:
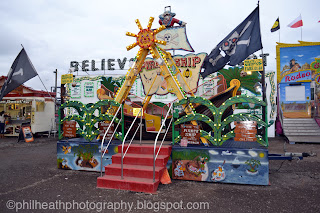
[
  {"x": 308, "y": 74},
  {"x": 189, "y": 62},
  {"x": 183, "y": 62},
  {"x": 152, "y": 65},
  {"x": 303, "y": 75},
  {"x": 177, "y": 60},
  {"x": 292, "y": 78},
  {"x": 196, "y": 60},
  {"x": 298, "y": 76},
  {"x": 287, "y": 78}
]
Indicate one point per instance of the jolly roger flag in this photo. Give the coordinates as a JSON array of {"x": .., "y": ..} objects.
[
  {"x": 21, "y": 71},
  {"x": 244, "y": 40}
]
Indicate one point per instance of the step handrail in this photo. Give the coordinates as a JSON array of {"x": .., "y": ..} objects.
[
  {"x": 124, "y": 139},
  {"x": 156, "y": 140},
  {"x": 104, "y": 136}
]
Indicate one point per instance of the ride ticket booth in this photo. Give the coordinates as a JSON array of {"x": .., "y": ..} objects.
[{"x": 295, "y": 95}]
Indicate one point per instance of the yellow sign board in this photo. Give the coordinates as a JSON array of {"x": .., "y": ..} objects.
[
  {"x": 136, "y": 111},
  {"x": 67, "y": 78},
  {"x": 253, "y": 65}
]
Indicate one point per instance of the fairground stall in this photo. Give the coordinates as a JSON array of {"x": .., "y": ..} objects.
[
  {"x": 298, "y": 70},
  {"x": 188, "y": 138},
  {"x": 26, "y": 105}
]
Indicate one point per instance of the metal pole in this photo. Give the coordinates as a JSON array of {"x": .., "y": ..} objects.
[
  {"x": 154, "y": 163},
  {"x": 141, "y": 111},
  {"x": 122, "y": 162},
  {"x": 55, "y": 90},
  {"x": 101, "y": 163},
  {"x": 55, "y": 99},
  {"x": 122, "y": 121},
  {"x": 263, "y": 94}
]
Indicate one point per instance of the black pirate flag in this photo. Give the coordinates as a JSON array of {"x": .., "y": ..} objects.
[{"x": 244, "y": 40}]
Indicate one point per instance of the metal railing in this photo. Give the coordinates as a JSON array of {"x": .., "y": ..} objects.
[
  {"x": 124, "y": 139},
  {"x": 156, "y": 140},
  {"x": 104, "y": 136}
]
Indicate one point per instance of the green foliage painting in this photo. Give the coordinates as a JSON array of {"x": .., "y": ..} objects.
[
  {"x": 218, "y": 125},
  {"x": 253, "y": 165},
  {"x": 110, "y": 84},
  {"x": 247, "y": 81},
  {"x": 86, "y": 118}
]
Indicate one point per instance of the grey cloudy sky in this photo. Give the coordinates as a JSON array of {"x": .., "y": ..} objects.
[{"x": 55, "y": 32}]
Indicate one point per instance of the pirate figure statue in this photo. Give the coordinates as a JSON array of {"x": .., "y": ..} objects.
[{"x": 167, "y": 19}]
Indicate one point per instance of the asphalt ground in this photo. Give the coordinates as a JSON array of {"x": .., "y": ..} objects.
[{"x": 31, "y": 182}]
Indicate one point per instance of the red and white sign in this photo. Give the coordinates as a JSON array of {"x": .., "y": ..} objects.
[
  {"x": 69, "y": 129},
  {"x": 296, "y": 23},
  {"x": 191, "y": 133}
]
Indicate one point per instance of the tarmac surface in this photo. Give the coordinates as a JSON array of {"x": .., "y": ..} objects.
[{"x": 31, "y": 182}]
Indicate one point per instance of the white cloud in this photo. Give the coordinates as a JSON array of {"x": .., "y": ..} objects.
[
  {"x": 300, "y": 56},
  {"x": 213, "y": 152},
  {"x": 240, "y": 153},
  {"x": 253, "y": 153},
  {"x": 285, "y": 56}
]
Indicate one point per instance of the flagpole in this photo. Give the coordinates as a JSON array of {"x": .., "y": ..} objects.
[
  {"x": 265, "y": 129},
  {"x": 301, "y": 26}
]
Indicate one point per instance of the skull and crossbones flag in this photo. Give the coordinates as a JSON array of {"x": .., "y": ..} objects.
[
  {"x": 21, "y": 71},
  {"x": 244, "y": 40}
]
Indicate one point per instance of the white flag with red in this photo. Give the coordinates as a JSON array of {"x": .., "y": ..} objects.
[{"x": 296, "y": 23}]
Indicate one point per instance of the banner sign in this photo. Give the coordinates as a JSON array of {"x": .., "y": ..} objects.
[
  {"x": 292, "y": 58},
  {"x": 245, "y": 131},
  {"x": 191, "y": 133},
  {"x": 103, "y": 126},
  {"x": 76, "y": 90},
  {"x": 253, "y": 65},
  {"x": 66, "y": 79},
  {"x": 69, "y": 129},
  {"x": 189, "y": 67},
  {"x": 297, "y": 77},
  {"x": 88, "y": 89}
]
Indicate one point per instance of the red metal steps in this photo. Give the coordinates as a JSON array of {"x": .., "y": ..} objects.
[{"x": 137, "y": 169}]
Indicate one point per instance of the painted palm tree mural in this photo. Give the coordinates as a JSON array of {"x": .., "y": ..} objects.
[
  {"x": 218, "y": 125},
  {"x": 110, "y": 84},
  {"x": 86, "y": 117},
  {"x": 247, "y": 81}
]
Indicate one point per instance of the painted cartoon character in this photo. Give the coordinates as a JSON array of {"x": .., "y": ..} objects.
[
  {"x": 178, "y": 171},
  {"x": 219, "y": 173},
  {"x": 64, "y": 163},
  {"x": 167, "y": 19},
  {"x": 66, "y": 149},
  {"x": 202, "y": 164},
  {"x": 93, "y": 162},
  {"x": 294, "y": 66}
]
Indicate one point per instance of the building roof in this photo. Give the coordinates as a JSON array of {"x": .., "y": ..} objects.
[{"x": 24, "y": 91}]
